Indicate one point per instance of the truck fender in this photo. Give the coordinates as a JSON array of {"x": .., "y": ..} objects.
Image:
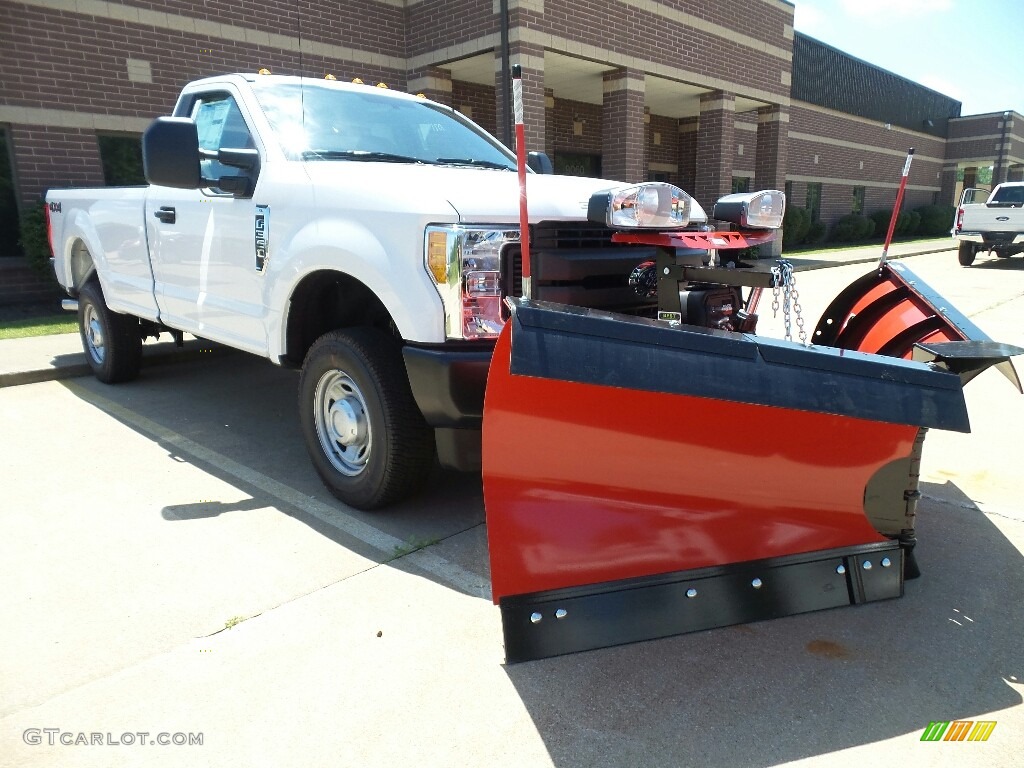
[
  {"x": 81, "y": 251},
  {"x": 351, "y": 249}
]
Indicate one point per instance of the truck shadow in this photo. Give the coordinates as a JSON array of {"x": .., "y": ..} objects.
[
  {"x": 235, "y": 417},
  {"x": 986, "y": 262},
  {"x": 767, "y": 693}
]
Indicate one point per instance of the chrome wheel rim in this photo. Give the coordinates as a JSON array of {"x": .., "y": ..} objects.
[
  {"x": 342, "y": 424},
  {"x": 93, "y": 333}
]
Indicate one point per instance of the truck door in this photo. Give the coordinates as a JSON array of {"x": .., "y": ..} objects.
[
  {"x": 209, "y": 280},
  {"x": 972, "y": 195}
]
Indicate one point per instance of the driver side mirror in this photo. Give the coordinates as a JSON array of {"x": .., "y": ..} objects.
[{"x": 170, "y": 153}]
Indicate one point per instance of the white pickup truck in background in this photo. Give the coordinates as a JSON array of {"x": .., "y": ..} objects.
[
  {"x": 996, "y": 226},
  {"x": 366, "y": 236}
]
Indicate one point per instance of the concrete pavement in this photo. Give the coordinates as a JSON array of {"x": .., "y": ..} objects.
[
  {"x": 49, "y": 358},
  {"x": 139, "y": 521}
]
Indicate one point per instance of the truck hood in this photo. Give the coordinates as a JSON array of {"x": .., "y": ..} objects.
[{"x": 478, "y": 195}]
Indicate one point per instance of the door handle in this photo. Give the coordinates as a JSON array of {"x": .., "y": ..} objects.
[{"x": 166, "y": 214}]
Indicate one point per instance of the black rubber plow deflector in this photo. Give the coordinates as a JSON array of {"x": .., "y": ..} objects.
[{"x": 585, "y": 618}]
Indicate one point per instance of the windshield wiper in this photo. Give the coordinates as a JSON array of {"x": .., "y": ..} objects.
[
  {"x": 471, "y": 161},
  {"x": 360, "y": 154}
]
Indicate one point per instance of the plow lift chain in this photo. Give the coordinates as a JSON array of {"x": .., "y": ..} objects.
[{"x": 784, "y": 282}]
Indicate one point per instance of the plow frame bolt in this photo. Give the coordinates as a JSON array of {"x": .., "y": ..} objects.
[
  {"x": 561, "y": 613},
  {"x": 535, "y": 617},
  {"x": 756, "y": 583},
  {"x": 867, "y": 565},
  {"x": 841, "y": 570},
  {"x": 691, "y": 592},
  {"x": 886, "y": 562}
]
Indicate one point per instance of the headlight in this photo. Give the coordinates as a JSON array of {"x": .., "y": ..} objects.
[
  {"x": 758, "y": 210},
  {"x": 465, "y": 265},
  {"x": 656, "y": 205}
]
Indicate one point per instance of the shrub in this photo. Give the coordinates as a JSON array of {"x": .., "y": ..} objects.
[
  {"x": 915, "y": 222},
  {"x": 816, "y": 233},
  {"x": 795, "y": 226},
  {"x": 881, "y": 219},
  {"x": 936, "y": 220},
  {"x": 853, "y": 227},
  {"x": 33, "y": 239}
]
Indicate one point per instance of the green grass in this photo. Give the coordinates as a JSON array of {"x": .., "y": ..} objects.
[{"x": 38, "y": 326}]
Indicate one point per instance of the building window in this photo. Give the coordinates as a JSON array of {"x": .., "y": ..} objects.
[
  {"x": 789, "y": 191},
  {"x": 9, "y": 223},
  {"x": 740, "y": 184},
  {"x": 814, "y": 200},
  {"x": 576, "y": 164},
  {"x": 657, "y": 176},
  {"x": 121, "y": 157},
  {"x": 858, "y": 200}
]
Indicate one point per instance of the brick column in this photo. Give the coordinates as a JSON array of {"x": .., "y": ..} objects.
[
  {"x": 531, "y": 59},
  {"x": 549, "y": 123},
  {"x": 54, "y": 157},
  {"x": 770, "y": 161},
  {"x": 433, "y": 82},
  {"x": 948, "y": 190},
  {"x": 622, "y": 126},
  {"x": 715, "y": 147},
  {"x": 772, "y": 148},
  {"x": 688, "y": 153}
]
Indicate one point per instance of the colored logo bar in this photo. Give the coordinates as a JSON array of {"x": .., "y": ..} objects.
[{"x": 958, "y": 730}]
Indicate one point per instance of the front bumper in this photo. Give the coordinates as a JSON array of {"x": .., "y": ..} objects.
[{"x": 448, "y": 383}]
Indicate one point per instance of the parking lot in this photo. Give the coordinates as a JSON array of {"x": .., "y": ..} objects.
[{"x": 172, "y": 565}]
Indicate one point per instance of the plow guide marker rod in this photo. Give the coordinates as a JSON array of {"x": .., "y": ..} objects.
[
  {"x": 524, "y": 215},
  {"x": 896, "y": 206}
]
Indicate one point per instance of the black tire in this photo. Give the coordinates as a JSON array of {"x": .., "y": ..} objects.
[
  {"x": 366, "y": 436},
  {"x": 112, "y": 341},
  {"x": 966, "y": 253}
]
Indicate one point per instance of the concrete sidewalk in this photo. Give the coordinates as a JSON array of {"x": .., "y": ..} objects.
[{"x": 46, "y": 358}]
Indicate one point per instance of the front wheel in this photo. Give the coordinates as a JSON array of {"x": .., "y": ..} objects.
[
  {"x": 966, "y": 253},
  {"x": 366, "y": 436},
  {"x": 112, "y": 341}
]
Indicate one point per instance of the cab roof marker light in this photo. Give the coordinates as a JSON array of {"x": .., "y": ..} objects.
[
  {"x": 756, "y": 210},
  {"x": 329, "y": 76},
  {"x": 263, "y": 71},
  {"x": 654, "y": 205}
]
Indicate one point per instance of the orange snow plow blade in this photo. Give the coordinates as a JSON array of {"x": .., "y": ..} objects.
[{"x": 644, "y": 479}]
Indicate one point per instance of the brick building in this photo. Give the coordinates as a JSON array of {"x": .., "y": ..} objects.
[{"x": 711, "y": 96}]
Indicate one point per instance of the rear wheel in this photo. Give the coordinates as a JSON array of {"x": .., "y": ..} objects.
[
  {"x": 366, "y": 436},
  {"x": 966, "y": 253},
  {"x": 112, "y": 341}
]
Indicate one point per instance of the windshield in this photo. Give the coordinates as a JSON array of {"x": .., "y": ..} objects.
[{"x": 314, "y": 122}]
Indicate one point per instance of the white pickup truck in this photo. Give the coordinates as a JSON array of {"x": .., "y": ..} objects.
[
  {"x": 365, "y": 236},
  {"x": 997, "y": 225}
]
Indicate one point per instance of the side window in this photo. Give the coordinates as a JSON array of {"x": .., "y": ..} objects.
[
  {"x": 814, "y": 200},
  {"x": 220, "y": 125},
  {"x": 858, "y": 200}
]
